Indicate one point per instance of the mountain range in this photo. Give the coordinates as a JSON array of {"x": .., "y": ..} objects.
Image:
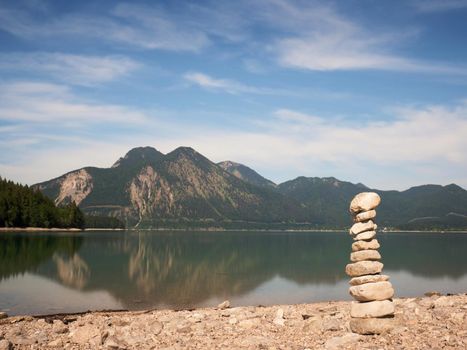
[{"x": 149, "y": 189}]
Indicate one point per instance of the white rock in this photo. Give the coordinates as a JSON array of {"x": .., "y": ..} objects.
[
  {"x": 59, "y": 327},
  {"x": 87, "y": 334},
  {"x": 279, "y": 319},
  {"x": 368, "y": 279},
  {"x": 376, "y": 308},
  {"x": 56, "y": 343},
  {"x": 372, "y": 291},
  {"x": 360, "y": 227},
  {"x": 365, "y": 215},
  {"x": 364, "y": 236},
  {"x": 364, "y": 201},
  {"x": 5, "y": 345},
  {"x": 364, "y": 245},
  {"x": 224, "y": 305},
  {"x": 363, "y": 268},
  {"x": 365, "y": 255},
  {"x": 336, "y": 343}
]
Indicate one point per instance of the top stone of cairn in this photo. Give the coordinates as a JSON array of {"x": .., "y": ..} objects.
[{"x": 364, "y": 201}]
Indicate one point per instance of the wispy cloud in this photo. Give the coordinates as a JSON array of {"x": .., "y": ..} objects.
[
  {"x": 439, "y": 5},
  {"x": 321, "y": 39},
  {"x": 71, "y": 69},
  {"x": 129, "y": 24},
  {"x": 420, "y": 144},
  {"x": 52, "y": 103},
  {"x": 230, "y": 86},
  {"x": 428, "y": 143}
]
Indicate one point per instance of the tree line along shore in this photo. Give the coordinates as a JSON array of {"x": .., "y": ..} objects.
[{"x": 23, "y": 208}]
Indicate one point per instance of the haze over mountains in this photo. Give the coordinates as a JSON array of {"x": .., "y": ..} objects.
[{"x": 147, "y": 188}]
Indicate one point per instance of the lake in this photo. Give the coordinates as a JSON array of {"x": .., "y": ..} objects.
[{"x": 45, "y": 273}]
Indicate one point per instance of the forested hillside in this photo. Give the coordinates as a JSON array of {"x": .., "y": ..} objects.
[{"x": 21, "y": 206}]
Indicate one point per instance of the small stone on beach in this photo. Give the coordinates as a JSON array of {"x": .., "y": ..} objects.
[{"x": 224, "y": 305}]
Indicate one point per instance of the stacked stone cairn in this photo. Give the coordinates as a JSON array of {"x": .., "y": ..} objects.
[{"x": 373, "y": 310}]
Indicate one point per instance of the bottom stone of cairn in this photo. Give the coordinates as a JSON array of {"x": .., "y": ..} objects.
[{"x": 372, "y": 325}]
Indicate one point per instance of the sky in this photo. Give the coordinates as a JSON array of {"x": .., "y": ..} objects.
[{"x": 366, "y": 91}]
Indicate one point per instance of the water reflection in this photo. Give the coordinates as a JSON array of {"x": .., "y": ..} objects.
[
  {"x": 186, "y": 269},
  {"x": 72, "y": 271}
]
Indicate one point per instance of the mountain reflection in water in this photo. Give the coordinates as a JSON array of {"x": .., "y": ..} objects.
[{"x": 189, "y": 269}]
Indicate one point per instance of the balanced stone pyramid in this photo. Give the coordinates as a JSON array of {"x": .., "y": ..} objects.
[{"x": 373, "y": 310}]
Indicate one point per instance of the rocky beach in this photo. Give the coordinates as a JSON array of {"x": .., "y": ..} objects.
[{"x": 430, "y": 322}]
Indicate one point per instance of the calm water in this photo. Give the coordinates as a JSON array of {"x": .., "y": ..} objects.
[{"x": 51, "y": 273}]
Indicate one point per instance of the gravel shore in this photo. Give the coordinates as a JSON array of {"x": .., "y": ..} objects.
[{"x": 436, "y": 322}]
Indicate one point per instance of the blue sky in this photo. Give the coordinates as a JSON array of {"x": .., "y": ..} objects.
[{"x": 366, "y": 91}]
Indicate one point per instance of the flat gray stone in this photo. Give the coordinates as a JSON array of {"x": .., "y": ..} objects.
[
  {"x": 365, "y": 216},
  {"x": 360, "y": 227},
  {"x": 364, "y": 236},
  {"x": 364, "y": 201},
  {"x": 361, "y": 255},
  {"x": 368, "y": 279},
  {"x": 363, "y": 268},
  {"x": 364, "y": 245},
  {"x": 372, "y": 291},
  {"x": 372, "y": 325},
  {"x": 378, "y": 308}
]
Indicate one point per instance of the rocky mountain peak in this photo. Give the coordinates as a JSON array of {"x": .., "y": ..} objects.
[{"x": 139, "y": 155}]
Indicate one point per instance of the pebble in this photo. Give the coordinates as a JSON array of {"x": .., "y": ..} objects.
[
  {"x": 5, "y": 345},
  {"x": 3, "y": 315},
  {"x": 336, "y": 343},
  {"x": 279, "y": 319},
  {"x": 59, "y": 327},
  {"x": 56, "y": 343},
  {"x": 224, "y": 305}
]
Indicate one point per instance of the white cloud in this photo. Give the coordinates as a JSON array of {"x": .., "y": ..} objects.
[
  {"x": 128, "y": 24},
  {"x": 419, "y": 145},
  {"x": 73, "y": 69},
  {"x": 321, "y": 39},
  {"x": 51, "y": 103},
  {"x": 226, "y": 85}
]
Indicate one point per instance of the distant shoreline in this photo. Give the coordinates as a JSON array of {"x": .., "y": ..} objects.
[{"x": 217, "y": 229}]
